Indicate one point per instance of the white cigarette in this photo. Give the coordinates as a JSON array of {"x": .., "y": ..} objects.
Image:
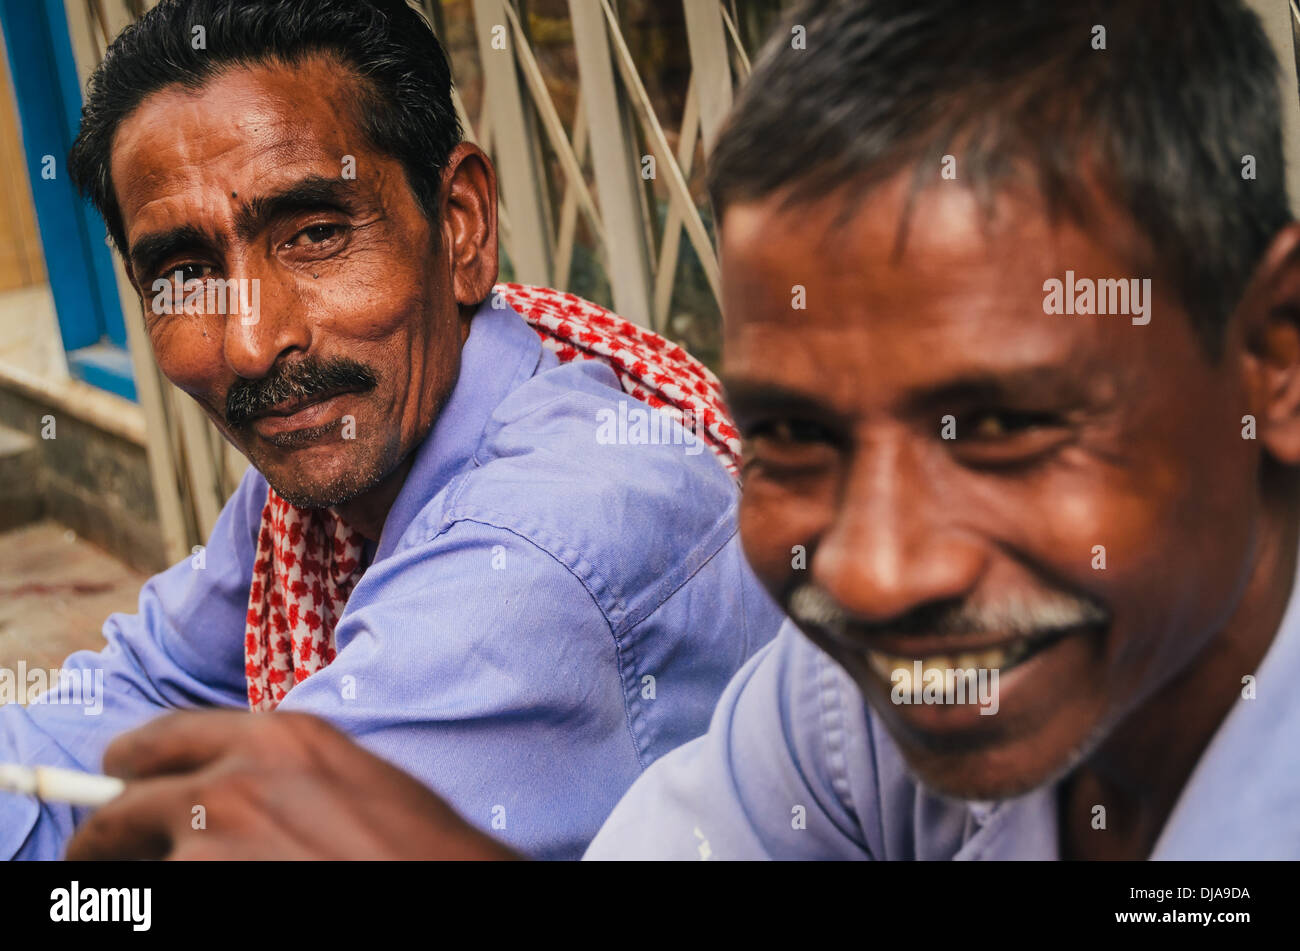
[{"x": 59, "y": 785}]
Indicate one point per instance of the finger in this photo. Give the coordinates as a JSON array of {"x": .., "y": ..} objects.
[
  {"x": 177, "y": 743},
  {"x": 139, "y": 824}
]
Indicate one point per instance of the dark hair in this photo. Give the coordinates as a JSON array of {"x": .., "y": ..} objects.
[
  {"x": 403, "y": 104},
  {"x": 1161, "y": 119}
]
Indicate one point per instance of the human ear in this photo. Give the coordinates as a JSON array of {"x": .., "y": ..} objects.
[
  {"x": 1269, "y": 314},
  {"x": 469, "y": 225}
]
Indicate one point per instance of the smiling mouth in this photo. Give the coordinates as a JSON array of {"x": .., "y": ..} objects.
[
  {"x": 289, "y": 408},
  {"x": 1003, "y": 657},
  {"x": 300, "y": 423}
]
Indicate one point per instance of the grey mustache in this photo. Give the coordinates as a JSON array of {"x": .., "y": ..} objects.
[{"x": 1019, "y": 616}]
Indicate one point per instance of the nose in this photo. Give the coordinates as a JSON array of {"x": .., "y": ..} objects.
[
  {"x": 894, "y": 544},
  {"x": 266, "y": 323}
]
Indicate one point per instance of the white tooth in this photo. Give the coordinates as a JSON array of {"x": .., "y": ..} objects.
[
  {"x": 967, "y": 661},
  {"x": 939, "y": 662},
  {"x": 993, "y": 659},
  {"x": 880, "y": 663},
  {"x": 901, "y": 676}
]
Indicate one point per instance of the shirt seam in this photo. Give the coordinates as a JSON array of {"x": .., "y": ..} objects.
[
  {"x": 619, "y": 650},
  {"x": 622, "y": 619},
  {"x": 702, "y": 553},
  {"x": 834, "y": 738}
]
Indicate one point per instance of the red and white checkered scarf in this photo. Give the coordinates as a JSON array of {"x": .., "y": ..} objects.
[{"x": 309, "y": 560}]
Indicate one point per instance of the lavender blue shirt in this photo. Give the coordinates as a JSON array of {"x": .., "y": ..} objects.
[
  {"x": 796, "y": 766},
  {"x": 544, "y": 615}
]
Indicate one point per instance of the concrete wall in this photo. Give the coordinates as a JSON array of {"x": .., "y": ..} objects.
[{"x": 88, "y": 477}]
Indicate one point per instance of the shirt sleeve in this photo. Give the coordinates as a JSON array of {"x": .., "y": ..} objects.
[
  {"x": 182, "y": 649},
  {"x": 484, "y": 667},
  {"x": 769, "y": 780}
]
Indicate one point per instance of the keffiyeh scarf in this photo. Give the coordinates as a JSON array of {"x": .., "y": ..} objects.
[{"x": 308, "y": 560}]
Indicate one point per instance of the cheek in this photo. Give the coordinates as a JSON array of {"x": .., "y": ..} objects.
[
  {"x": 1089, "y": 524},
  {"x": 779, "y": 528},
  {"x": 1152, "y": 542},
  {"x": 191, "y": 360},
  {"x": 395, "y": 311}
]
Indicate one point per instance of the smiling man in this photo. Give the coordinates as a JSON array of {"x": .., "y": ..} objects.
[
  {"x": 1098, "y": 509},
  {"x": 433, "y": 550},
  {"x": 946, "y": 475}
]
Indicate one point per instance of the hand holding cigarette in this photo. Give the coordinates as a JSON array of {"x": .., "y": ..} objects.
[
  {"x": 270, "y": 786},
  {"x": 52, "y": 784}
]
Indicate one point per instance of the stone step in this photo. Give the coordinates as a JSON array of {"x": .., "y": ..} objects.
[{"x": 20, "y": 464}]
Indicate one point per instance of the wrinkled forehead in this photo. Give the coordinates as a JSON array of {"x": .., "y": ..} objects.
[
  {"x": 915, "y": 286},
  {"x": 901, "y": 226},
  {"x": 243, "y": 128}
]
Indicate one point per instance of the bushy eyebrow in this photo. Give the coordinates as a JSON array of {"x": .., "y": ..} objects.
[
  {"x": 152, "y": 249},
  {"x": 748, "y": 397},
  {"x": 751, "y": 396},
  {"x": 309, "y": 194},
  {"x": 1045, "y": 385}
]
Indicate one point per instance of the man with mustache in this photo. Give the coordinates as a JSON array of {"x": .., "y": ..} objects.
[
  {"x": 434, "y": 550},
  {"x": 1100, "y": 508},
  {"x": 944, "y": 473}
]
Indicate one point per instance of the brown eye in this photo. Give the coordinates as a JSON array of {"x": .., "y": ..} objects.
[
  {"x": 790, "y": 432},
  {"x": 1009, "y": 438},
  {"x": 1003, "y": 424},
  {"x": 790, "y": 448},
  {"x": 187, "y": 272},
  {"x": 316, "y": 234},
  {"x": 787, "y": 437}
]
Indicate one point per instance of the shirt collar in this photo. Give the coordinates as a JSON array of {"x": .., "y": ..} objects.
[
  {"x": 1014, "y": 829},
  {"x": 501, "y": 352},
  {"x": 1240, "y": 801}
]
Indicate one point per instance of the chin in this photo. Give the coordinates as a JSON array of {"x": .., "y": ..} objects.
[
  {"x": 316, "y": 496},
  {"x": 982, "y": 777},
  {"x": 995, "y": 765},
  {"x": 308, "y": 483},
  {"x": 322, "y": 492}
]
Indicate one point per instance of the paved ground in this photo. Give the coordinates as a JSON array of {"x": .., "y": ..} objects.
[{"x": 55, "y": 592}]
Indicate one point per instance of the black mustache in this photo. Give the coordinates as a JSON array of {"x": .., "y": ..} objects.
[{"x": 300, "y": 382}]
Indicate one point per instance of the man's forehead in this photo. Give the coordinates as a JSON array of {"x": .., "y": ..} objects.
[
  {"x": 821, "y": 267},
  {"x": 246, "y": 127},
  {"x": 826, "y": 307},
  {"x": 895, "y": 225},
  {"x": 847, "y": 367}
]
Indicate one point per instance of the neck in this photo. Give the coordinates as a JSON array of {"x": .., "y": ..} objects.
[
  {"x": 1140, "y": 770},
  {"x": 367, "y": 512}
]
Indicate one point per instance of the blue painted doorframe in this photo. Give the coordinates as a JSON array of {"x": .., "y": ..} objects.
[{"x": 77, "y": 259}]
